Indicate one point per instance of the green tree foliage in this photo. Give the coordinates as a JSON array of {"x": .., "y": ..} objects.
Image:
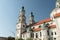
[
  {"x": 10, "y": 38},
  {"x": 20, "y": 39}
]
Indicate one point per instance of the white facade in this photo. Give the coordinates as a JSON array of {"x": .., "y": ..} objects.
[{"x": 47, "y": 29}]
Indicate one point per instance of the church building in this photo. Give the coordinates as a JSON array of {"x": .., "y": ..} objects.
[{"x": 46, "y": 29}]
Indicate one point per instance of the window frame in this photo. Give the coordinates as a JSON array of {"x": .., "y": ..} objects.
[{"x": 36, "y": 35}]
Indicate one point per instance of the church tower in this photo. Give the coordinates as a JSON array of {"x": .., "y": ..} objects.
[
  {"x": 21, "y": 24},
  {"x": 58, "y": 3},
  {"x": 31, "y": 20}
]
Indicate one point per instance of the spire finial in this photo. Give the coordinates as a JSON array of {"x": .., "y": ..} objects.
[
  {"x": 58, "y": 3},
  {"x": 31, "y": 20},
  {"x": 22, "y": 7},
  {"x": 31, "y": 14}
]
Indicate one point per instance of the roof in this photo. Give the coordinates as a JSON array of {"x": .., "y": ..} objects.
[
  {"x": 41, "y": 22},
  {"x": 3, "y": 37},
  {"x": 52, "y": 26},
  {"x": 37, "y": 29},
  {"x": 57, "y": 15}
]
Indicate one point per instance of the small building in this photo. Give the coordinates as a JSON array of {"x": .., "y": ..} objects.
[{"x": 3, "y": 38}]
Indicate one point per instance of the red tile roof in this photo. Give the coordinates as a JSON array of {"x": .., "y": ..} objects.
[
  {"x": 37, "y": 29},
  {"x": 52, "y": 26},
  {"x": 57, "y": 15},
  {"x": 40, "y": 22}
]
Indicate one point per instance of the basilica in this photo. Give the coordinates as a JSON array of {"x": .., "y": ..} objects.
[{"x": 47, "y": 29}]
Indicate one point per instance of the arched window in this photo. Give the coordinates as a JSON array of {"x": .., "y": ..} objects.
[{"x": 33, "y": 27}]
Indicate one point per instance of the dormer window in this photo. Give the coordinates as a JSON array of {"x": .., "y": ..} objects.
[
  {"x": 40, "y": 26},
  {"x": 33, "y": 27}
]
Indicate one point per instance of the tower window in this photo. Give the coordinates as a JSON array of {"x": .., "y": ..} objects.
[
  {"x": 54, "y": 38},
  {"x": 23, "y": 25},
  {"x": 55, "y": 33},
  {"x": 18, "y": 25},
  {"x": 51, "y": 33},
  {"x": 19, "y": 19}
]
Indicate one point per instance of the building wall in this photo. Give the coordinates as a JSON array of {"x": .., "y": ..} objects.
[
  {"x": 54, "y": 33},
  {"x": 25, "y": 35},
  {"x": 57, "y": 20}
]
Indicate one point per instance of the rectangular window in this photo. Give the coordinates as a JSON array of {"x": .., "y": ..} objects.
[
  {"x": 40, "y": 34},
  {"x": 48, "y": 32},
  {"x": 36, "y": 35},
  {"x": 55, "y": 33},
  {"x": 32, "y": 35},
  {"x": 51, "y": 33}
]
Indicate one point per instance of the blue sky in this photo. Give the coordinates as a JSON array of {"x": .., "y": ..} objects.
[{"x": 9, "y": 12}]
